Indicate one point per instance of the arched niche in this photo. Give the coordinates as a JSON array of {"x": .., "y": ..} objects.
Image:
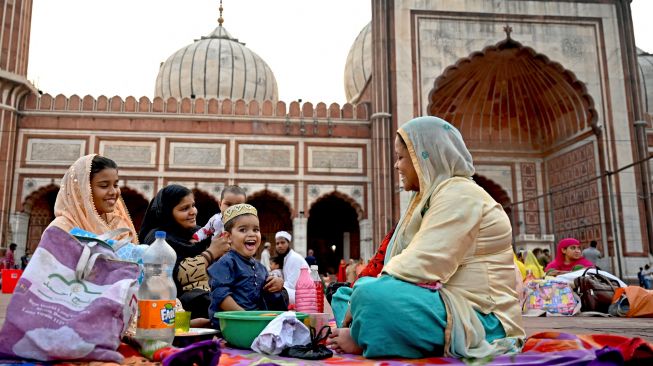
[
  {"x": 509, "y": 97},
  {"x": 333, "y": 222},
  {"x": 274, "y": 213},
  {"x": 497, "y": 192},
  {"x": 40, "y": 207},
  {"x": 206, "y": 204},
  {"x": 136, "y": 205}
]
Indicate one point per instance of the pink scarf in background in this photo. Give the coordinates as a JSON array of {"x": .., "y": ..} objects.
[{"x": 559, "y": 261}]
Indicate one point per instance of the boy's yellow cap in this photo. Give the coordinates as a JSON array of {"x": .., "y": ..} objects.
[{"x": 238, "y": 210}]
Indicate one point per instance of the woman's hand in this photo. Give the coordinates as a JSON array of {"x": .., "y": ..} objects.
[
  {"x": 346, "y": 321},
  {"x": 273, "y": 284},
  {"x": 219, "y": 246},
  {"x": 200, "y": 323}
]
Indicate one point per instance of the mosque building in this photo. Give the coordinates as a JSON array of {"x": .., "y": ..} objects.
[{"x": 549, "y": 95}]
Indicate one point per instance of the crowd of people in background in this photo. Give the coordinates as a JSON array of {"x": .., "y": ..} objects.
[
  {"x": 645, "y": 277},
  {"x": 569, "y": 255},
  {"x": 8, "y": 258}
]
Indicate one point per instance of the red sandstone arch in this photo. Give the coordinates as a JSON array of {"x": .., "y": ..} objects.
[
  {"x": 40, "y": 206},
  {"x": 497, "y": 192},
  {"x": 508, "y": 97},
  {"x": 270, "y": 195},
  {"x": 274, "y": 212},
  {"x": 37, "y": 195},
  {"x": 136, "y": 205},
  {"x": 206, "y": 204},
  {"x": 360, "y": 213},
  {"x": 330, "y": 216}
]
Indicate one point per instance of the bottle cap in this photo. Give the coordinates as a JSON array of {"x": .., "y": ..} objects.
[{"x": 160, "y": 234}]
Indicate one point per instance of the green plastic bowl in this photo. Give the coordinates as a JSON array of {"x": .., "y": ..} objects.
[{"x": 240, "y": 328}]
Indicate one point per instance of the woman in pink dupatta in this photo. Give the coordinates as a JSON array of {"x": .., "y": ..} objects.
[{"x": 568, "y": 258}]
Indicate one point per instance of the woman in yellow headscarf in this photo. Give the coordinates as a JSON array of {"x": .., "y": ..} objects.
[
  {"x": 521, "y": 268},
  {"x": 533, "y": 265},
  {"x": 449, "y": 276}
]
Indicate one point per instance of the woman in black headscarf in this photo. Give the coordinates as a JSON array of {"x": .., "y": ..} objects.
[{"x": 173, "y": 211}]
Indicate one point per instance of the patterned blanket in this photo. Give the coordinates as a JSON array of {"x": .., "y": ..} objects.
[{"x": 546, "y": 348}]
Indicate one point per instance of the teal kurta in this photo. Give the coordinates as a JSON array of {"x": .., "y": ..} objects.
[{"x": 393, "y": 318}]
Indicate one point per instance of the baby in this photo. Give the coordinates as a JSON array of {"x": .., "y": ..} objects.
[
  {"x": 231, "y": 195},
  {"x": 275, "y": 266}
]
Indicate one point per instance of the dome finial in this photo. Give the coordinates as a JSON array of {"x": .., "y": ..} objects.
[
  {"x": 220, "y": 19},
  {"x": 507, "y": 29}
]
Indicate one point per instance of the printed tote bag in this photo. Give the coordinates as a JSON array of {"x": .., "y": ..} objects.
[{"x": 73, "y": 302}]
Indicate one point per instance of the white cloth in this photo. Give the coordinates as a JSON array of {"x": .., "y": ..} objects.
[
  {"x": 571, "y": 276},
  {"x": 284, "y": 331},
  {"x": 265, "y": 258},
  {"x": 292, "y": 263}
]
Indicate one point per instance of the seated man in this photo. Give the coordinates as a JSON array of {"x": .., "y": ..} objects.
[{"x": 292, "y": 263}]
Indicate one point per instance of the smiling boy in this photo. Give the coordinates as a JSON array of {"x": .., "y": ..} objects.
[{"x": 238, "y": 281}]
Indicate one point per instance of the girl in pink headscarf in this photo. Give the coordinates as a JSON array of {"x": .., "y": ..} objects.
[{"x": 568, "y": 257}]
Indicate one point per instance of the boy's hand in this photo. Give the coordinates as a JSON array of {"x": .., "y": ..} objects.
[{"x": 273, "y": 284}]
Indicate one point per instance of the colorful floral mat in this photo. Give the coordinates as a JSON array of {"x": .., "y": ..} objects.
[{"x": 546, "y": 348}]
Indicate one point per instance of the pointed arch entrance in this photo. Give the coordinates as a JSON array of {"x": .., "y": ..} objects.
[
  {"x": 274, "y": 214},
  {"x": 508, "y": 97},
  {"x": 206, "y": 205},
  {"x": 333, "y": 222},
  {"x": 136, "y": 205},
  {"x": 40, "y": 207}
]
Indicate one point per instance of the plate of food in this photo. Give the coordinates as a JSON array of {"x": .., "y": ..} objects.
[
  {"x": 193, "y": 335},
  {"x": 193, "y": 332}
]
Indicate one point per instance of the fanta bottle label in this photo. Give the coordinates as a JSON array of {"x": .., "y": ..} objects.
[{"x": 156, "y": 314}]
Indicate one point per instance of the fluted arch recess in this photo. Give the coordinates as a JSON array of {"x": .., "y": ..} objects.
[{"x": 508, "y": 97}]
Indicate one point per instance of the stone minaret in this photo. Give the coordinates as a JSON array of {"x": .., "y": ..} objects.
[{"x": 16, "y": 18}]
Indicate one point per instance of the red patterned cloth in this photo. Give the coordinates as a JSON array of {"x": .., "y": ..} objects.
[
  {"x": 630, "y": 348},
  {"x": 374, "y": 267}
]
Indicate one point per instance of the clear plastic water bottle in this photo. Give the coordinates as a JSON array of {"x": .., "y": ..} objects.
[
  {"x": 305, "y": 301},
  {"x": 157, "y": 294},
  {"x": 319, "y": 288}
]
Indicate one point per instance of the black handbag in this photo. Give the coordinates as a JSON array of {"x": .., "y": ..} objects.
[
  {"x": 314, "y": 350},
  {"x": 595, "y": 291}
]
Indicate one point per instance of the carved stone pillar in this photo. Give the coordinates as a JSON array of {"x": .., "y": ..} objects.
[
  {"x": 366, "y": 244},
  {"x": 300, "y": 226},
  {"x": 384, "y": 197}
]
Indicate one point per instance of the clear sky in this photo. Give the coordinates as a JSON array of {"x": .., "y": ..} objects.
[{"x": 115, "y": 47}]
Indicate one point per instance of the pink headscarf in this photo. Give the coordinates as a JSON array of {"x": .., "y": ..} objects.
[{"x": 559, "y": 261}]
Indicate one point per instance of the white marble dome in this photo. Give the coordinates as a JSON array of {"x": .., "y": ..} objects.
[
  {"x": 358, "y": 69},
  {"x": 216, "y": 66},
  {"x": 645, "y": 63}
]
